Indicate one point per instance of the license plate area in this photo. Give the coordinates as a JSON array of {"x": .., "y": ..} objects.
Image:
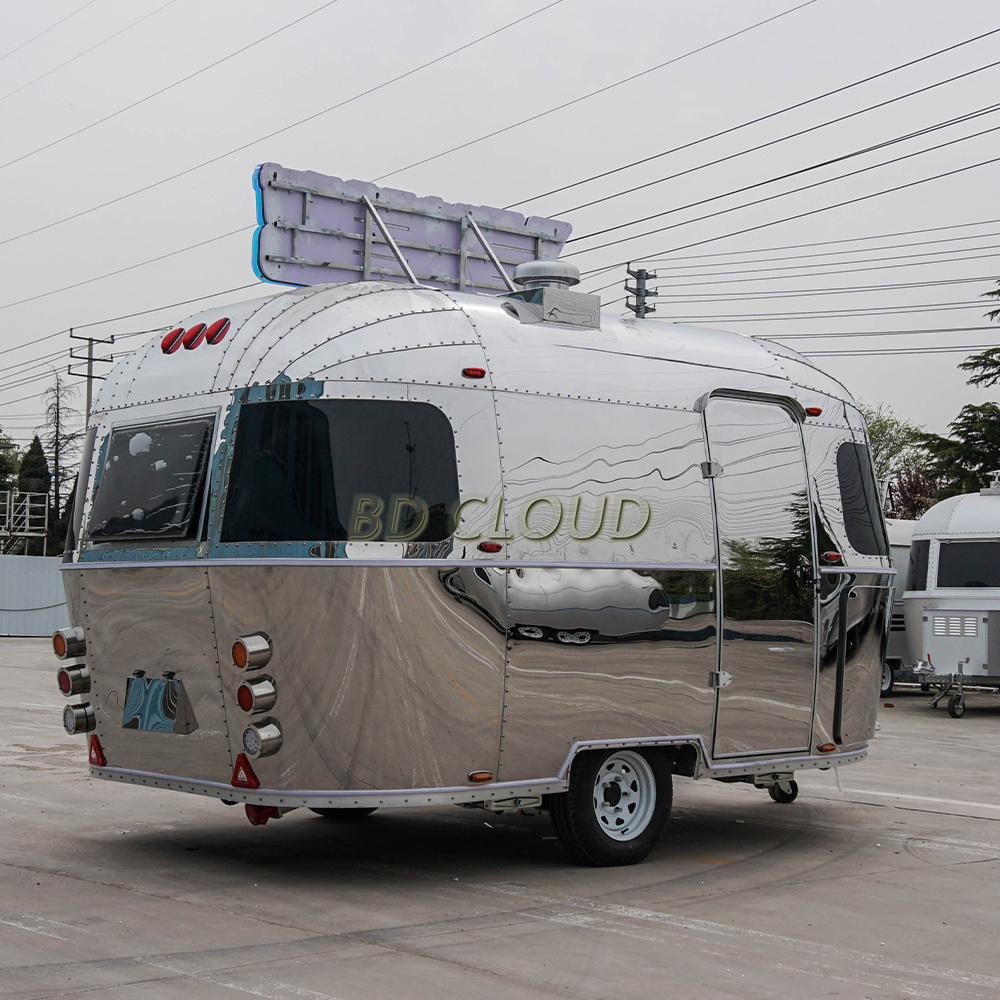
[{"x": 158, "y": 705}]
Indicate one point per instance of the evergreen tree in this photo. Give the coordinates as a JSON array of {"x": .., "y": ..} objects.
[
  {"x": 9, "y": 460},
  {"x": 963, "y": 461},
  {"x": 33, "y": 476}
]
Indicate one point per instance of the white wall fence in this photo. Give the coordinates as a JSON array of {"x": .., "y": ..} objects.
[{"x": 31, "y": 596}]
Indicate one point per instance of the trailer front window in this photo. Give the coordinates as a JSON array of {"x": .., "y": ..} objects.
[
  {"x": 151, "y": 479},
  {"x": 341, "y": 470},
  {"x": 969, "y": 564}
]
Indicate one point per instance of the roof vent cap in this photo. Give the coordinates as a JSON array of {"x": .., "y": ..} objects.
[{"x": 546, "y": 274}]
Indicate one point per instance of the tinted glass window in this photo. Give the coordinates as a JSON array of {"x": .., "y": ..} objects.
[
  {"x": 919, "y": 554},
  {"x": 151, "y": 481},
  {"x": 341, "y": 469},
  {"x": 860, "y": 500},
  {"x": 969, "y": 564}
]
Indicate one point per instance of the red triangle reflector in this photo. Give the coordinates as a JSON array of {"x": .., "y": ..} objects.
[
  {"x": 97, "y": 757},
  {"x": 243, "y": 776}
]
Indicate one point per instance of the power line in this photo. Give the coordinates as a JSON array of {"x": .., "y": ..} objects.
[
  {"x": 803, "y": 215},
  {"x": 769, "y": 143},
  {"x": 807, "y": 292},
  {"x": 876, "y": 351},
  {"x": 747, "y": 124},
  {"x": 989, "y": 109},
  {"x": 80, "y": 55},
  {"x": 593, "y": 93},
  {"x": 885, "y": 333},
  {"x": 45, "y": 31},
  {"x": 726, "y": 277},
  {"x": 854, "y": 239},
  {"x": 142, "y": 100},
  {"x": 122, "y": 270},
  {"x": 286, "y": 128},
  {"x": 799, "y": 316}
]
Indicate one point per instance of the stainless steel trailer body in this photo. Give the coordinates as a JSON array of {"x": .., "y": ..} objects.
[{"x": 467, "y": 548}]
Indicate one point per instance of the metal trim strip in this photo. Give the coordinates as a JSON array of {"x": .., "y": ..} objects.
[{"x": 401, "y": 563}]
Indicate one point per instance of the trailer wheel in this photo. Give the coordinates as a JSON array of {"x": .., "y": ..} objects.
[
  {"x": 784, "y": 791},
  {"x": 344, "y": 815},
  {"x": 579, "y": 637},
  {"x": 956, "y": 706},
  {"x": 887, "y": 679},
  {"x": 616, "y": 807}
]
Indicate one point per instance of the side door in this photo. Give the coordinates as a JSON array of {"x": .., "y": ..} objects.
[{"x": 767, "y": 656}]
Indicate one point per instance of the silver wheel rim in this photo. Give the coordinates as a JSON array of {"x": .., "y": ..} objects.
[
  {"x": 886, "y": 675},
  {"x": 624, "y": 795},
  {"x": 574, "y": 638},
  {"x": 530, "y": 632}
]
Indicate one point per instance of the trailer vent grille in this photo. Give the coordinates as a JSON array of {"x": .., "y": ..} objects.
[{"x": 954, "y": 625}]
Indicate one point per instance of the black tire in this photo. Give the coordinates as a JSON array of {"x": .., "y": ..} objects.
[
  {"x": 616, "y": 807},
  {"x": 888, "y": 677},
  {"x": 956, "y": 706},
  {"x": 925, "y": 688},
  {"x": 344, "y": 815},
  {"x": 779, "y": 794}
]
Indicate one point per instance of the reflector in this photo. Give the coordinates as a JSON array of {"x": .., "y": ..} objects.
[
  {"x": 243, "y": 774},
  {"x": 97, "y": 757}
]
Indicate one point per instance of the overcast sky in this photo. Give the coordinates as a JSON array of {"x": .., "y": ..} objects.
[{"x": 130, "y": 129}]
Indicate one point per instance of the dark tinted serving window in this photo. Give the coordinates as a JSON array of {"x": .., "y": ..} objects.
[
  {"x": 860, "y": 500},
  {"x": 150, "y": 484},
  {"x": 969, "y": 564},
  {"x": 341, "y": 469},
  {"x": 919, "y": 554}
]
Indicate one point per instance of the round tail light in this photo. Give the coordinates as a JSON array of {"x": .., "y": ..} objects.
[
  {"x": 73, "y": 680},
  {"x": 262, "y": 740},
  {"x": 257, "y": 696},
  {"x": 69, "y": 642},
  {"x": 252, "y": 651},
  {"x": 79, "y": 718}
]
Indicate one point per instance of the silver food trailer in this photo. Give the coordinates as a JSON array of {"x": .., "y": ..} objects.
[
  {"x": 399, "y": 542},
  {"x": 952, "y": 597}
]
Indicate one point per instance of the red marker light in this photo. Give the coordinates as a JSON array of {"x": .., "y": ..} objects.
[
  {"x": 813, "y": 411},
  {"x": 96, "y": 755},
  {"x": 172, "y": 340},
  {"x": 217, "y": 331},
  {"x": 473, "y": 373},
  {"x": 194, "y": 336},
  {"x": 832, "y": 557},
  {"x": 489, "y": 547}
]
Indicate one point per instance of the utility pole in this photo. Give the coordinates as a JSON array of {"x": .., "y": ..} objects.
[
  {"x": 90, "y": 376},
  {"x": 640, "y": 291}
]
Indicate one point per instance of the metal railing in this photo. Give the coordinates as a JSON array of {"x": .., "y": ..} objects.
[{"x": 22, "y": 516}]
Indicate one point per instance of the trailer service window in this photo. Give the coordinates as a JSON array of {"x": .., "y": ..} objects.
[
  {"x": 341, "y": 469},
  {"x": 150, "y": 483}
]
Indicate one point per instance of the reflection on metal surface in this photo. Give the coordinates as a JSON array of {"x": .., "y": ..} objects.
[
  {"x": 595, "y": 653},
  {"x": 157, "y": 705},
  {"x": 768, "y": 569}
]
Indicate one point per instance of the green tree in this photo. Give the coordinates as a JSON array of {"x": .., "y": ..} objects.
[
  {"x": 962, "y": 462},
  {"x": 894, "y": 444},
  {"x": 986, "y": 364},
  {"x": 33, "y": 476}
]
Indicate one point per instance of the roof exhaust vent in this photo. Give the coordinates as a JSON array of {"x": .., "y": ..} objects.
[
  {"x": 546, "y": 274},
  {"x": 545, "y": 295}
]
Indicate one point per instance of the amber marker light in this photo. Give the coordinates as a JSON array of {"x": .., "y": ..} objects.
[
  {"x": 827, "y": 747},
  {"x": 252, "y": 651},
  {"x": 69, "y": 642},
  {"x": 480, "y": 777}
]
